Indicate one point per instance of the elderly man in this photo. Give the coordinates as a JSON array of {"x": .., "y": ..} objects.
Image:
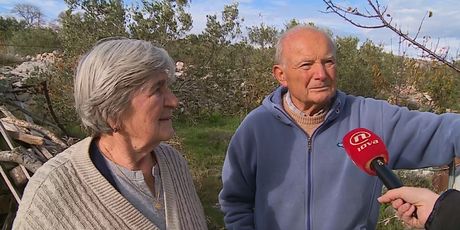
[{"x": 286, "y": 168}]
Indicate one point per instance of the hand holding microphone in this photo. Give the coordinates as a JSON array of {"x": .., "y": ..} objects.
[{"x": 369, "y": 153}]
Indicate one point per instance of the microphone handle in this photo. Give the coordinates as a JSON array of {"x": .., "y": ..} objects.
[{"x": 389, "y": 179}]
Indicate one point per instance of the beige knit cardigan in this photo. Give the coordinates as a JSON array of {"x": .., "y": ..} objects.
[{"x": 68, "y": 192}]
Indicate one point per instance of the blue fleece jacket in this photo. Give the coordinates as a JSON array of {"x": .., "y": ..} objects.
[{"x": 276, "y": 177}]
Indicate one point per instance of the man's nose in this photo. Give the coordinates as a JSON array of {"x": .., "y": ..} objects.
[{"x": 319, "y": 71}]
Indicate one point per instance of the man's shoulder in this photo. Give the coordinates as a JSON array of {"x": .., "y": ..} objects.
[
  {"x": 261, "y": 113},
  {"x": 361, "y": 101}
]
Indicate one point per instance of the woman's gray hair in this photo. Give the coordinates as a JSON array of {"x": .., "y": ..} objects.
[
  {"x": 110, "y": 75},
  {"x": 279, "y": 47}
]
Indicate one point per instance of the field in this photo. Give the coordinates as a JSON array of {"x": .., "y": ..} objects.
[{"x": 204, "y": 144}]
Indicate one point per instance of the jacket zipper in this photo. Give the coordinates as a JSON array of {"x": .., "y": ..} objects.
[
  {"x": 310, "y": 147},
  {"x": 309, "y": 182}
]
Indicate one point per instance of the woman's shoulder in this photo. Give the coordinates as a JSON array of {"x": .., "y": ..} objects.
[
  {"x": 171, "y": 160},
  {"x": 48, "y": 179},
  {"x": 54, "y": 167},
  {"x": 54, "y": 164},
  {"x": 168, "y": 151}
]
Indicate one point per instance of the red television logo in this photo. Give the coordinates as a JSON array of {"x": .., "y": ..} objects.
[{"x": 359, "y": 138}]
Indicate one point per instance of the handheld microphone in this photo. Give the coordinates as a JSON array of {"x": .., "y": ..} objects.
[{"x": 369, "y": 153}]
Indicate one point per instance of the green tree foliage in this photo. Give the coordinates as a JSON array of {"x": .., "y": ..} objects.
[
  {"x": 263, "y": 36},
  {"x": 362, "y": 69},
  {"x": 441, "y": 83},
  {"x": 351, "y": 79},
  {"x": 27, "y": 36},
  {"x": 8, "y": 26},
  {"x": 229, "y": 72},
  {"x": 221, "y": 68},
  {"x": 160, "y": 21},
  {"x": 209, "y": 88},
  {"x": 223, "y": 32},
  {"x": 86, "y": 21},
  {"x": 290, "y": 24},
  {"x": 31, "y": 41}
]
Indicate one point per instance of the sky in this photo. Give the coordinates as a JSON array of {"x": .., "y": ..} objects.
[{"x": 442, "y": 29}]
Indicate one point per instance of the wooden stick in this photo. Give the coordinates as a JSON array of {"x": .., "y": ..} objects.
[
  {"x": 22, "y": 156},
  {"x": 27, "y": 138},
  {"x": 6, "y": 112},
  {"x": 48, "y": 133},
  {"x": 6, "y": 136},
  {"x": 45, "y": 152},
  {"x": 10, "y": 185},
  {"x": 10, "y": 144},
  {"x": 36, "y": 118}
]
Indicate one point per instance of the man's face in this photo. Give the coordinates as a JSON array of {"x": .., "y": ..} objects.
[{"x": 307, "y": 69}]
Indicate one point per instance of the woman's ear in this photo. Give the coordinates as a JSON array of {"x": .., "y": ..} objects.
[
  {"x": 113, "y": 125},
  {"x": 278, "y": 73}
]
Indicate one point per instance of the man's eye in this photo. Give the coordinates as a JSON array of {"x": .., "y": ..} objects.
[
  {"x": 306, "y": 66},
  {"x": 330, "y": 63}
]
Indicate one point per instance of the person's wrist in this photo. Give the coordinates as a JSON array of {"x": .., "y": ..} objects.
[{"x": 436, "y": 206}]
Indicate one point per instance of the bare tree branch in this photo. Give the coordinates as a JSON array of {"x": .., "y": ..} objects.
[
  {"x": 10, "y": 185},
  {"x": 45, "y": 90},
  {"x": 420, "y": 26},
  {"x": 10, "y": 144},
  {"x": 30, "y": 13},
  {"x": 343, "y": 13},
  {"x": 350, "y": 14}
]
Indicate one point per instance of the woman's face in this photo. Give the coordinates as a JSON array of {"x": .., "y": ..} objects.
[{"x": 148, "y": 120}]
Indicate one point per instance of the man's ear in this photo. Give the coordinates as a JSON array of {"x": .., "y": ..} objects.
[{"x": 278, "y": 73}]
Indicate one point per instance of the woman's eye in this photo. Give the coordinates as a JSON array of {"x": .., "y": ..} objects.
[{"x": 155, "y": 91}]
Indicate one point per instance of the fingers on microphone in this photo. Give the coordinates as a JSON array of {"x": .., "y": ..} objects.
[
  {"x": 409, "y": 220},
  {"x": 397, "y": 203},
  {"x": 408, "y": 215},
  {"x": 403, "y": 209}
]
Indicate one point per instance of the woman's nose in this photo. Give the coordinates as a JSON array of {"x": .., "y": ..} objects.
[{"x": 171, "y": 100}]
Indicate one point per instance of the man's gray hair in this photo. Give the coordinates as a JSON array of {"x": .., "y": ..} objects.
[
  {"x": 279, "y": 43},
  {"x": 110, "y": 75}
]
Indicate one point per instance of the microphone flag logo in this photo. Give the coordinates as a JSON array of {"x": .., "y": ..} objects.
[
  {"x": 363, "y": 146},
  {"x": 360, "y": 137}
]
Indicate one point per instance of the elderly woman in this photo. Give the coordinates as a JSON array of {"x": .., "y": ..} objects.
[{"x": 123, "y": 176}]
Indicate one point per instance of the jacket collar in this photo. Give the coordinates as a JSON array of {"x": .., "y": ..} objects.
[{"x": 274, "y": 104}]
